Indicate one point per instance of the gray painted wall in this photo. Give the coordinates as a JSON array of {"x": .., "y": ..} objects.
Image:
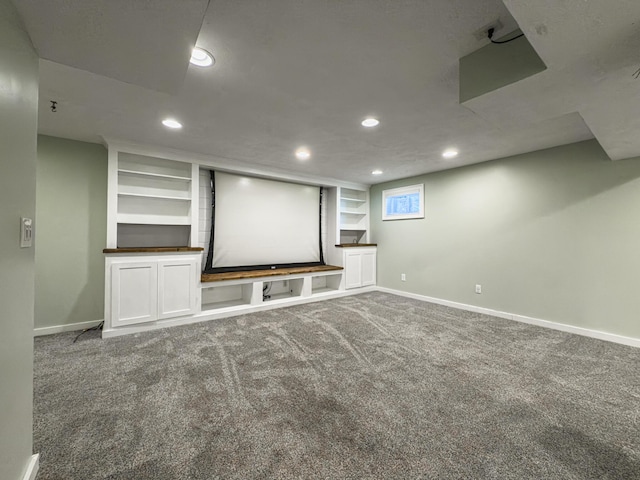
[
  {"x": 18, "y": 126},
  {"x": 71, "y": 211},
  {"x": 553, "y": 234}
]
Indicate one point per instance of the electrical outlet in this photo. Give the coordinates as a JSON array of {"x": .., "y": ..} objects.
[
  {"x": 478, "y": 288},
  {"x": 403, "y": 277}
]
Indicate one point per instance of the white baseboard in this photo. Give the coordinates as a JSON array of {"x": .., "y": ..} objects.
[
  {"x": 64, "y": 328},
  {"x": 586, "y": 332},
  {"x": 32, "y": 467}
]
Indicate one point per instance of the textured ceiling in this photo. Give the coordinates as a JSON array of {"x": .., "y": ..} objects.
[{"x": 306, "y": 72}]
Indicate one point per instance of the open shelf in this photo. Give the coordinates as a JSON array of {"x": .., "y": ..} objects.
[
  {"x": 145, "y": 219},
  {"x": 148, "y": 195},
  {"x": 164, "y": 187},
  {"x": 152, "y": 174},
  {"x": 352, "y": 211},
  {"x": 132, "y": 235},
  {"x": 351, "y": 236},
  {"x": 146, "y": 209},
  {"x": 285, "y": 289},
  {"x": 225, "y": 296},
  {"x": 355, "y": 227},
  {"x": 352, "y": 198},
  {"x": 246, "y": 293},
  {"x": 134, "y": 164},
  {"x": 325, "y": 284},
  {"x": 353, "y": 214},
  {"x": 148, "y": 192}
]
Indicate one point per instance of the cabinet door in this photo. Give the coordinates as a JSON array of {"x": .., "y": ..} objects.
[
  {"x": 177, "y": 284},
  {"x": 134, "y": 293},
  {"x": 352, "y": 269},
  {"x": 368, "y": 268}
]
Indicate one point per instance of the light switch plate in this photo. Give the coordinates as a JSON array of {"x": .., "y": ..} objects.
[{"x": 26, "y": 232}]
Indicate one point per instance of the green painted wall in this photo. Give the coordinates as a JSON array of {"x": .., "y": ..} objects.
[
  {"x": 71, "y": 223},
  {"x": 18, "y": 127},
  {"x": 553, "y": 234},
  {"x": 495, "y": 66}
]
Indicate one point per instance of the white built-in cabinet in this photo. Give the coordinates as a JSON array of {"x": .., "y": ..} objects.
[
  {"x": 152, "y": 205},
  {"x": 236, "y": 295},
  {"x": 352, "y": 249},
  {"x": 153, "y": 257},
  {"x": 359, "y": 267},
  {"x": 147, "y": 288},
  {"x": 134, "y": 293},
  {"x": 177, "y": 287}
]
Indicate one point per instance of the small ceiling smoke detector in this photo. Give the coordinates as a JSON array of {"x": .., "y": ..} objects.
[
  {"x": 201, "y": 58},
  {"x": 303, "y": 153},
  {"x": 370, "y": 122},
  {"x": 450, "y": 153},
  {"x": 171, "y": 123}
]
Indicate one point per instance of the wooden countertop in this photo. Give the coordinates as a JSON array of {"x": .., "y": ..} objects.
[
  {"x": 218, "y": 277},
  {"x": 152, "y": 249},
  {"x": 350, "y": 245}
]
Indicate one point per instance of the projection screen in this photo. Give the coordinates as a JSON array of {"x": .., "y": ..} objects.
[{"x": 264, "y": 222}]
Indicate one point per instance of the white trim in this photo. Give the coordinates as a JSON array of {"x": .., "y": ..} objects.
[
  {"x": 69, "y": 327},
  {"x": 586, "y": 332},
  {"x": 32, "y": 467},
  {"x": 231, "y": 312}
]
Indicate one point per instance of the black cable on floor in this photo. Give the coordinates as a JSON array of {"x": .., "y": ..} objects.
[{"x": 96, "y": 327}]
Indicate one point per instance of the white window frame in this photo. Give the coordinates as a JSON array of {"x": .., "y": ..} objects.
[{"x": 399, "y": 193}]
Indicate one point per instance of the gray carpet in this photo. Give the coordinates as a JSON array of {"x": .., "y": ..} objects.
[{"x": 368, "y": 386}]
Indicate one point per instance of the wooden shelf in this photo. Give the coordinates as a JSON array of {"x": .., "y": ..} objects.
[
  {"x": 218, "y": 277},
  {"x": 352, "y": 245},
  {"x": 152, "y": 249}
]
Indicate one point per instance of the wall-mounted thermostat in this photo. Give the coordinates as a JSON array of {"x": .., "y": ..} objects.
[{"x": 26, "y": 232}]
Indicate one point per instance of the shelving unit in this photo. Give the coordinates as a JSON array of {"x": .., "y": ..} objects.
[
  {"x": 145, "y": 287},
  {"x": 245, "y": 294},
  {"x": 225, "y": 296},
  {"x": 285, "y": 289},
  {"x": 326, "y": 284},
  {"x": 153, "y": 190},
  {"x": 353, "y": 211},
  {"x": 150, "y": 194},
  {"x": 153, "y": 201}
]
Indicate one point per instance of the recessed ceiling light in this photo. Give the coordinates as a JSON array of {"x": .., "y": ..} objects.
[
  {"x": 171, "y": 123},
  {"x": 376, "y": 172},
  {"x": 201, "y": 58},
  {"x": 370, "y": 122},
  {"x": 303, "y": 153},
  {"x": 450, "y": 153}
]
